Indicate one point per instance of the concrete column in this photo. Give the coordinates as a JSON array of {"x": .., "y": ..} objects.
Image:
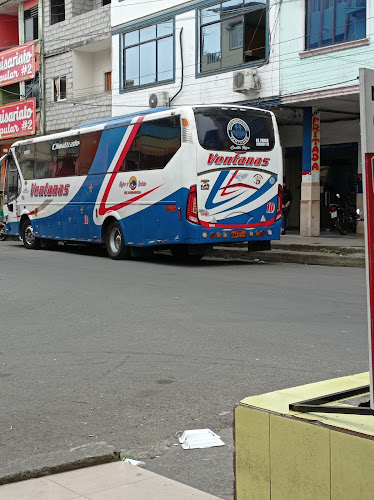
[{"x": 310, "y": 185}]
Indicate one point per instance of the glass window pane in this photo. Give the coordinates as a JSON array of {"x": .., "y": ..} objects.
[
  {"x": 132, "y": 38},
  {"x": 159, "y": 141},
  {"x": 328, "y": 22},
  {"x": 215, "y": 134},
  {"x": 356, "y": 21},
  {"x": 211, "y": 47},
  {"x": 148, "y": 33},
  {"x": 232, "y": 41},
  {"x": 165, "y": 59},
  {"x": 63, "y": 87},
  {"x": 164, "y": 29},
  {"x": 148, "y": 63},
  {"x": 132, "y": 67},
  {"x": 210, "y": 14}
]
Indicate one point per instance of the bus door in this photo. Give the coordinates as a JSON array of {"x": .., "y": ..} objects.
[{"x": 12, "y": 189}]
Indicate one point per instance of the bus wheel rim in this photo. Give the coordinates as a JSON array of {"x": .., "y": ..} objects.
[
  {"x": 29, "y": 235},
  {"x": 115, "y": 240}
]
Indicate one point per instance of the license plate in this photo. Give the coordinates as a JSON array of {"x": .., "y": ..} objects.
[
  {"x": 334, "y": 215},
  {"x": 238, "y": 234}
]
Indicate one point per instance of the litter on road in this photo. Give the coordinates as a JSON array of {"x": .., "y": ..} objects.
[
  {"x": 200, "y": 438},
  {"x": 133, "y": 462}
]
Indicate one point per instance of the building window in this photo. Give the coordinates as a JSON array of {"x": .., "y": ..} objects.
[
  {"x": 108, "y": 81},
  {"x": 32, "y": 89},
  {"x": 329, "y": 22},
  {"x": 30, "y": 17},
  {"x": 57, "y": 11},
  {"x": 59, "y": 88},
  {"x": 232, "y": 33},
  {"x": 148, "y": 55}
]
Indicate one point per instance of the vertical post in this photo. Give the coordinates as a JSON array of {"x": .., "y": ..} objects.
[
  {"x": 310, "y": 187},
  {"x": 367, "y": 155}
]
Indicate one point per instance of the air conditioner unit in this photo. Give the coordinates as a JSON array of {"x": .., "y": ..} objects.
[
  {"x": 246, "y": 80},
  {"x": 159, "y": 100}
]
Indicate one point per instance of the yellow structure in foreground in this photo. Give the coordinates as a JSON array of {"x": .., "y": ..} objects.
[{"x": 284, "y": 455}]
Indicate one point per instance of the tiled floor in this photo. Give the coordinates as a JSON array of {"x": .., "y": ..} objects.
[{"x": 114, "y": 481}]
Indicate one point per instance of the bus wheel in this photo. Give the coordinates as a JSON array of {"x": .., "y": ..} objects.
[
  {"x": 28, "y": 237},
  {"x": 115, "y": 243}
]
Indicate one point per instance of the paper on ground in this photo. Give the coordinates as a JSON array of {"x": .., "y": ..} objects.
[
  {"x": 134, "y": 462},
  {"x": 199, "y": 438}
]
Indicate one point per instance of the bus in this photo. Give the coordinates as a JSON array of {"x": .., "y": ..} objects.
[{"x": 183, "y": 178}]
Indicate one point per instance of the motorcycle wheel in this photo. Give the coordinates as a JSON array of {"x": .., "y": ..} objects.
[
  {"x": 339, "y": 227},
  {"x": 3, "y": 234}
]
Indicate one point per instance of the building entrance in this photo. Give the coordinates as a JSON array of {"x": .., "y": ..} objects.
[{"x": 338, "y": 175}]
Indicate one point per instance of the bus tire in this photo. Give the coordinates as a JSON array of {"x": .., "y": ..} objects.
[
  {"x": 115, "y": 243},
  {"x": 30, "y": 241}
]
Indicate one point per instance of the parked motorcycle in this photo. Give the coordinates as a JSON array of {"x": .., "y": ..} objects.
[
  {"x": 344, "y": 216},
  {"x": 3, "y": 234}
]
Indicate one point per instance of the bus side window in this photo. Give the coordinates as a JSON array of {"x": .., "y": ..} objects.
[{"x": 154, "y": 145}]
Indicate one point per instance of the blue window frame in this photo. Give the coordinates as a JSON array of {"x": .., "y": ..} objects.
[
  {"x": 232, "y": 33},
  {"x": 148, "y": 55},
  {"x": 329, "y": 22}
]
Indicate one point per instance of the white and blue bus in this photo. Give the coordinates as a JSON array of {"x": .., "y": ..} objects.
[{"x": 180, "y": 178}]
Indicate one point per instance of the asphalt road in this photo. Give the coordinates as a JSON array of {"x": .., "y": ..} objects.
[{"x": 132, "y": 353}]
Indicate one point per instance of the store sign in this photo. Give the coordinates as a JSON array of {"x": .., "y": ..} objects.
[
  {"x": 316, "y": 140},
  {"x": 17, "y": 119},
  {"x": 18, "y": 64},
  {"x": 367, "y": 149}
]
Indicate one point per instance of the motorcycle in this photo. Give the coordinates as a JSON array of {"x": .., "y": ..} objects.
[
  {"x": 344, "y": 216},
  {"x": 3, "y": 234}
]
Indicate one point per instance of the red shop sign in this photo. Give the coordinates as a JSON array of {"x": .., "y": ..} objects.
[
  {"x": 17, "y": 64},
  {"x": 17, "y": 119}
]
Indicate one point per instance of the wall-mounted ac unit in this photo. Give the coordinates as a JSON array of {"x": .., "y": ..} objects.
[
  {"x": 159, "y": 100},
  {"x": 247, "y": 79}
]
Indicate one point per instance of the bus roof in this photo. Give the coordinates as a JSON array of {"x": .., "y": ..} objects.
[
  {"x": 118, "y": 120},
  {"x": 113, "y": 121}
]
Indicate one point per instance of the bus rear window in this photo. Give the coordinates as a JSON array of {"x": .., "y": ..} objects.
[{"x": 234, "y": 129}]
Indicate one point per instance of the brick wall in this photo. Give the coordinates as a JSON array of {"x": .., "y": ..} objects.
[{"x": 77, "y": 31}]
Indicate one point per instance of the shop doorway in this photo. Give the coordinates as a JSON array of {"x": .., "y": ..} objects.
[{"x": 339, "y": 167}]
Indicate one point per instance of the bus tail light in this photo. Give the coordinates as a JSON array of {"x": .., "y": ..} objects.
[
  {"x": 192, "y": 215},
  {"x": 279, "y": 206}
]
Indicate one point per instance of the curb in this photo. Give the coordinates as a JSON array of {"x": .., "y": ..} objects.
[
  {"x": 292, "y": 257},
  {"x": 81, "y": 463}
]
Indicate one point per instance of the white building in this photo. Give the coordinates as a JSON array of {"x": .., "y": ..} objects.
[{"x": 193, "y": 52}]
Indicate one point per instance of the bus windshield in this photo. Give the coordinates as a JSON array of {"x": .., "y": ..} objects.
[{"x": 234, "y": 129}]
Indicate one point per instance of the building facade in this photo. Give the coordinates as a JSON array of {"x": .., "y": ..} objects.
[
  {"x": 21, "y": 73},
  {"x": 322, "y": 46},
  {"x": 77, "y": 62},
  {"x": 194, "y": 52}
]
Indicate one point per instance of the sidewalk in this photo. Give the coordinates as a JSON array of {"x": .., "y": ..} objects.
[
  {"x": 112, "y": 481},
  {"x": 329, "y": 249}
]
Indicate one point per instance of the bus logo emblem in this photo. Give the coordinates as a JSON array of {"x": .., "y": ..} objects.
[
  {"x": 133, "y": 183},
  {"x": 238, "y": 131}
]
